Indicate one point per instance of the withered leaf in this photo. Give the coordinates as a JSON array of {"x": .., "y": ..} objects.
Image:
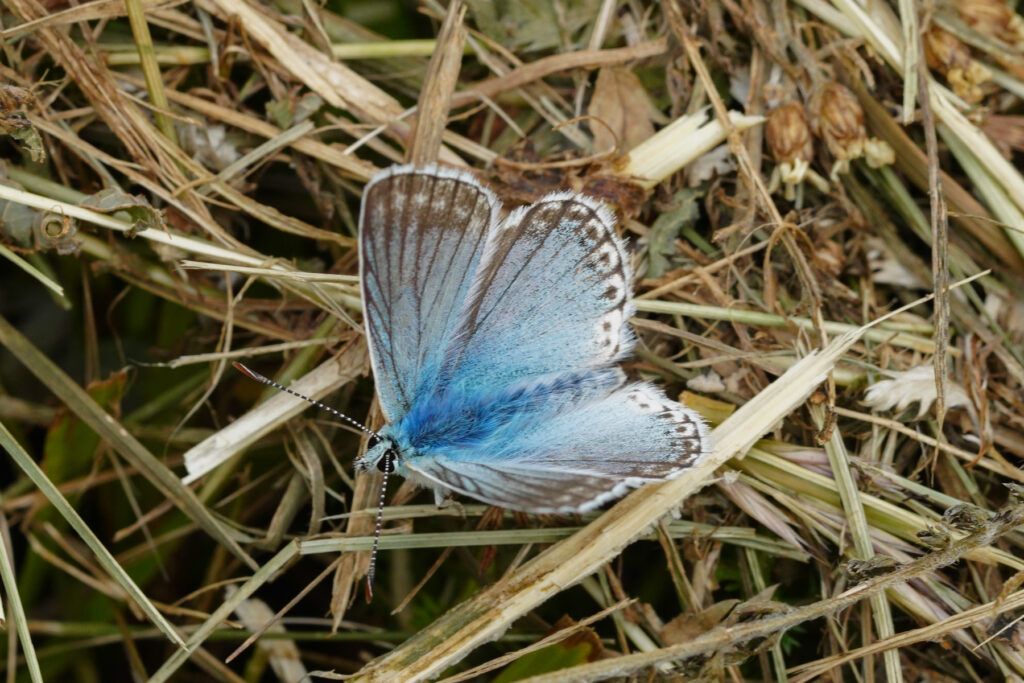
[
  {"x": 16, "y": 124},
  {"x": 532, "y": 24},
  {"x": 17, "y": 223},
  {"x": 688, "y": 626},
  {"x": 138, "y": 209},
  {"x": 622, "y": 109},
  {"x": 290, "y": 111}
]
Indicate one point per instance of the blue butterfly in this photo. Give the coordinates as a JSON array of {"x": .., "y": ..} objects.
[{"x": 495, "y": 343}]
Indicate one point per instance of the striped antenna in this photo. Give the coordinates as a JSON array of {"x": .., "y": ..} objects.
[
  {"x": 252, "y": 374},
  {"x": 371, "y": 572},
  {"x": 388, "y": 466}
]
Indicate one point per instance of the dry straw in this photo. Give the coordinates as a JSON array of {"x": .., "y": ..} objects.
[{"x": 251, "y": 127}]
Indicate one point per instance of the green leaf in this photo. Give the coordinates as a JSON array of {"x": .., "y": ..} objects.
[
  {"x": 532, "y": 24},
  {"x": 551, "y": 658},
  {"x": 663, "y": 234},
  {"x": 71, "y": 444}
]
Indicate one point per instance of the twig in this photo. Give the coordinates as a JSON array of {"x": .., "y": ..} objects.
[{"x": 436, "y": 96}]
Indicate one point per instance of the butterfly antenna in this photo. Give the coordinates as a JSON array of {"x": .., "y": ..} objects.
[
  {"x": 377, "y": 527},
  {"x": 252, "y": 374}
]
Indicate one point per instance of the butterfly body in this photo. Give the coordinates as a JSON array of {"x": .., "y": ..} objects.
[{"x": 495, "y": 345}]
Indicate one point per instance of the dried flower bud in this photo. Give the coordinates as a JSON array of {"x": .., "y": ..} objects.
[
  {"x": 878, "y": 153},
  {"x": 946, "y": 54},
  {"x": 788, "y": 134},
  {"x": 837, "y": 118},
  {"x": 789, "y": 138},
  {"x": 944, "y": 51},
  {"x": 12, "y": 97},
  {"x": 994, "y": 18}
]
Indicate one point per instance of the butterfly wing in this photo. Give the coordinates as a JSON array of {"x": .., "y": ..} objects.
[
  {"x": 573, "y": 459},
  {"x": 422, "y": 231},
  {"x": 551, "y": 294}
]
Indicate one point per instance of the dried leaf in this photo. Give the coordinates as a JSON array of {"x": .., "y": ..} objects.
[
  {"x": 916, "y": 385},
  {"x": 718, "y": 161},
  {"x": 887, "y": 269},
  {"x": 13, "y": 98},
  {"x": 210, "y": 145},
  {"x": 15, "y": 123},
  {"x": 1006, "y": 131},
  {"x": 138, "y": 208},
  {"x": 28, "y": 139},
  {"x": 17, "y": 224},
  {"x": 33, "y": 230},
  {"x": 687, "y": 626},
  {"x": 707, "y": 383},
  {"x": 622, "y": 109},
  {"x": 282, "y": 654}
]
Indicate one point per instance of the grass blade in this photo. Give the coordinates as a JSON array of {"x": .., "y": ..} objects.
[
  {"x": 104, "y": 424},
  {"x": 10, "y": 583},
  {"x": 103, "y": 556},
  {"x": 262, "y": 575}
]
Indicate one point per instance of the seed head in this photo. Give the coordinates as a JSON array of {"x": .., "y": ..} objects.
[
  {"x": 788, "y": 133},
  {"x": 838, "y": 119},
  {"x": 946, "y": 54},
  {"x": 994, "y": 18},
  {"x": 789, "y": 138}
]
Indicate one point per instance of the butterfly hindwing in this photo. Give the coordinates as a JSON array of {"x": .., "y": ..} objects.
[
  {"x": 573, "y": 458},
  {"x": 551, "y": 294},
  {"x": 422, "y": 231}
]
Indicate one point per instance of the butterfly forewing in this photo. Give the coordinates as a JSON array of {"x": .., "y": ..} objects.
[
  {"x": 551, "y": 294},
  {"x": 422, "y": 232}
]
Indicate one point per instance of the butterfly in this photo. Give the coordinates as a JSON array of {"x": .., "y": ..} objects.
[{"x": 495, "y": 343}]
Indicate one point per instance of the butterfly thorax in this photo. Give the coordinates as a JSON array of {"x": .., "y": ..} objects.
[{"x": 391, "y": 453}]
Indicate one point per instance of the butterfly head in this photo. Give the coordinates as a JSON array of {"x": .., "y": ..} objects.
[{"x": 384, "y": 455}]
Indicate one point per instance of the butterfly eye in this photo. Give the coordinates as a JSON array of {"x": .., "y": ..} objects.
[{"x": 387, "y": 463}]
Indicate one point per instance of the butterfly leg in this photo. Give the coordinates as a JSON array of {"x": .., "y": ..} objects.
[
  {"x": 443, "y": 500},
  {"x": 442, "y": 497}
]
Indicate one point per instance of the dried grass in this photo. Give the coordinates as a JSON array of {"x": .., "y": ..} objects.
[{"x": 181, "y": 188}]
